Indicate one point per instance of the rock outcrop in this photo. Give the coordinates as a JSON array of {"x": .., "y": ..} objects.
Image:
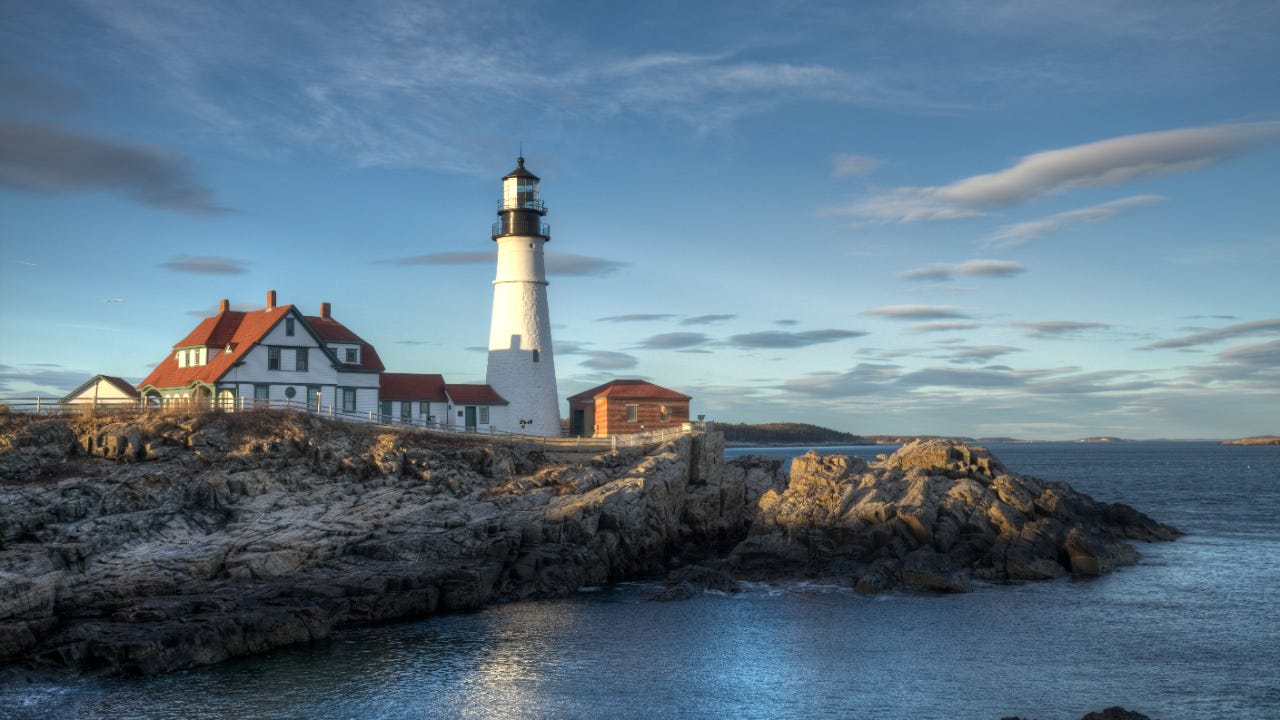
[
  {"x": 161, "y": 543},
  {"x": 936, "y": 515},
  {"x": 155, "y": 543}
]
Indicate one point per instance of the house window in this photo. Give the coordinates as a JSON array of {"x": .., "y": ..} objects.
[
  {"x": 273, "y": 357},
  {"x": 351, "y": 356},
  {"x": 182, "y": 358},
  {"x": 535, "y": 355},
  {"x": 406, "y": 411},
  {"x": 290, "y": 392},
  {"x": 664, "y": 413},
  {"x": 484, "y": 411},
  {"x": 261, "y": 393},
  {"x": 633, "y": 413},
  {"x": 288, "y": 326},
  {"x": 348, "y": 399},
  {"x": 424, "y": 409},
  {"x": 313, "y": 397},
  {"x": 300, "y": 355}
]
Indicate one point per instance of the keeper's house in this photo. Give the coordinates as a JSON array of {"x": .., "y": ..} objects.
[
  {"x": 277, "y": 356},
  {"x": 623, "y": 407}
]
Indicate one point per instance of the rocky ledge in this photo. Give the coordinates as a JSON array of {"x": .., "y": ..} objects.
[
  {"x": 936, "y": 515},
  {"x": 155, "y": 543}
]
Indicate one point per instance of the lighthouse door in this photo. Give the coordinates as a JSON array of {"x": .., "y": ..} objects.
[{"x": 471, "y": 417}]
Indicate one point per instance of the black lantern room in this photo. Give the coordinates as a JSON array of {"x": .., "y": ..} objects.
[{"x": 521, "y": 208}]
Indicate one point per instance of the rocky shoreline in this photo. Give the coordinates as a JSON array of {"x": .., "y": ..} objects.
[{"x": 149, "y": 544}]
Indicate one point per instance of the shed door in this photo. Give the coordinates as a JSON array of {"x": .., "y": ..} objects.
[{"x": 471, "y": 417}]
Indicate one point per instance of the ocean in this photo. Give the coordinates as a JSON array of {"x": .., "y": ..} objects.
[{"x": 1193, "y": 631}]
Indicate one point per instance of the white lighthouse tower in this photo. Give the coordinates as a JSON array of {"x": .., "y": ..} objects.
[{"x": 521, "y": 367}]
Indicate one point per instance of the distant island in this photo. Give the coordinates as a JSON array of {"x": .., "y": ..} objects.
[
  {"x": 787, "y": 433},
  {"x": 1103, "y": 439},
  {"x": 784, "y": 433},
  {"x": 1255, "y": 440}
]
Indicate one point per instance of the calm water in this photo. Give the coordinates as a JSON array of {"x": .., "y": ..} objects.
[{"x": 1192, "y": 632}]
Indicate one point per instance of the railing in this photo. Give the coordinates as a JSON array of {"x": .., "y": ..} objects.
[
  {"x": 544, "y": 229},
  {"x": 515, "y": 204},
  {"x": 653, "y": 438}
]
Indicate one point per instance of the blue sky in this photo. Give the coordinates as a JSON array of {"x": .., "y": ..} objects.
[{"x": 1046, "y": 220}]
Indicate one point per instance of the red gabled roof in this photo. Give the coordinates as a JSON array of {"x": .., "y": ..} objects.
[
  {"x": 631, "y": 390},
  {"x": 331, "y": 330},
  {"x": 411, "y": 386},
  {"x": 240, "y": 330},
  {"x": 473, "y": 395}
]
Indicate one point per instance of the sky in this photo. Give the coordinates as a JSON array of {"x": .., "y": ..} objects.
[{"x": 1032, "y": 219}]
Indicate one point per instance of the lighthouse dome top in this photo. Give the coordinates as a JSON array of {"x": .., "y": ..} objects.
[{"x": 520, "y": 171}]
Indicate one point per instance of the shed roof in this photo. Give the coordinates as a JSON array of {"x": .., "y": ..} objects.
[{"x": 630, "y": 389}]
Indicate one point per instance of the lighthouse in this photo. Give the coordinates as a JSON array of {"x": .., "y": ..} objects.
[{"x": 521, "y": 367}]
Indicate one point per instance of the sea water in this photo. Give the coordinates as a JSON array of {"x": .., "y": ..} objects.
[{"x": 1193, "y": 631}]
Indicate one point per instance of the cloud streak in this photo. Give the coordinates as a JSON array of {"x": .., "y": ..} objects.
[
  {"x": 1208, "y": 337},
  {"x": 1058, "y": 328},
  {"x": 675, "y": 341},
  {"x": 47, "y": 160},
  {"x": 558, "y": 264},
  {"x": 1098, "y": 164},
  {"x": 1019, "y": 233},
  {"x": 779, "y": 339},
  {"x": 206, "y": 265},
  {"x": 969, "y": 268},
  {"x": 918, "y": 312}
]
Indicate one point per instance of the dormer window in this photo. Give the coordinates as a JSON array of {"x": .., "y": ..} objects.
[{"x": 353, "y": 356}]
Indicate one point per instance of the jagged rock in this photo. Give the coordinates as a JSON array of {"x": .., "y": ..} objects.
[
  {"x": 934, "y": 516},
  {"x": 693, "y": 580}
]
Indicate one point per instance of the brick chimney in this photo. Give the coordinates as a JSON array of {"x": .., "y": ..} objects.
[
  {"x": 326, "y": 310},
  {"x": 271, "y": 299},
  {"x": 223, "y": 306}
]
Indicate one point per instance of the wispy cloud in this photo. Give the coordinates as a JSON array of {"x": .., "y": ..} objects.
[
  {"x": 636, "y": 317},
  {"x": 918, "y": 312},
  {"x": 1019, "y": 233},
  {"x": 943, "y": 327},
  {"x": 1230, "y": 332},
  {"x": 609, "y": 360},
  {"x": 846, "y": 165},
  {"x": 785, "y": 340},
  {"x": 969, "y": 268},
  {"x": 566, "y": 265},
  {"x": 48, "y": 160},
  {"x": 982, "y": 354},
  {"x": 674, "y": 341},
  {"x": 1098, "y": 164},
  {"x": 206, "y": 265},
  {"x": 559, "y": 264},
  {"x": 706, "y": 319},
  {"x": 1058, "y": 328}
]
